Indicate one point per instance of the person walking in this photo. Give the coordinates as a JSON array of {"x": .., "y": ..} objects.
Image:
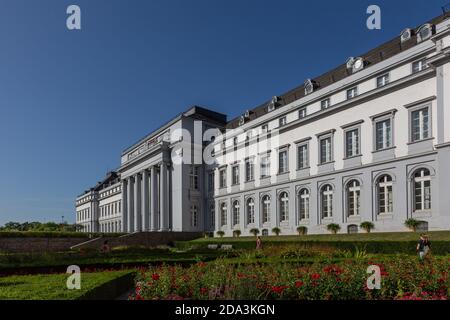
[
  {"x": 258, "y": 243},
  {"x": 423, "y": 246}
]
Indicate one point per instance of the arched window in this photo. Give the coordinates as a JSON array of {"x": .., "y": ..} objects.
[
  {"x": 353, "y": 198},
  {"x": 303, "y": 204},
  {"x": 284, "y": 207},
  {"x": 422, "y": 190},
  {"x": 250, "y": 211},
  {"x": 265, "y": 204},
  {"x": 235, "y": 209},
  {"x": 326, "y": 195},
  {"x": 384, "y": 195},
  {"x": 194, "y": 215},
  {"x": 223, "y": 214}
]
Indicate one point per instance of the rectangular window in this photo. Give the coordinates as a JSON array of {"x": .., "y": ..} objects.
[
  {"x": 302, "y": 156},
  {"x": 265, "y": 128},
  {"x": 302, "y": 113},
  {"x": 325, "y": 150},
  {"x": 249, "y": 170},
  {"x": 283, "y": 161},
  {"x": 383, "y": 80},
  {"x": 351, "y": 93},
  {"x": 193, "y": 177},
  {"x": 282, "y": 121},
  {"x": 223, "y": 178},
  {"x": 418, "y": 66},
  {"x": 211, "y": 181},
  {"x": 420, "y": 124},
  {"x": 235, "y": 174},
  {"x": 325, "y": 104},
  {"x": 265, "y": 166},
  {"x": 383, "y": 132},
  {"x": 352, "y": 143}
]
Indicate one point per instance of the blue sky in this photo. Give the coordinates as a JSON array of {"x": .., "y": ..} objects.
[{"x": 71, "y": 101}]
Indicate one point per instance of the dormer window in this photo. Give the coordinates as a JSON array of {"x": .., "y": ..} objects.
[
  {"x": 406, "y": 35},
  {"x": 355, "y": 64},
  {"x": 241, "y": 120},
  {"x": 309, "y": 85},
  {"x": 424, "y": 32},
  {"x": 273, "y": 104}
]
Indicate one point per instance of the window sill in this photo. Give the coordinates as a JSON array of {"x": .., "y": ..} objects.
[
  {"x": 419, "y": 141},
  {"x": 325, "y": 163},
  {"x": 282, "y": 173},
  {"x": 303, "y": 168},
  {"x": 385, "y": 149},
  {"x": 353, "y": 157}
]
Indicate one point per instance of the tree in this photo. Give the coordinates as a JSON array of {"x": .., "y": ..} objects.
[
  {"x": 220, "y": 233},
  {"x": 254, "y": 231},
  {"x": 302, "y": 230},
  {"x": 367, "y": 225},
  {"x": 412, "y": 224},
  {"x": 333, "y": 228},
  {"x": 237, "y": 233},
  {"x": 276, "y": 230}
]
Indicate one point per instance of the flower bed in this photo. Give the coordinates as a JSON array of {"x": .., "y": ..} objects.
[{"x": 404, "y": 278}]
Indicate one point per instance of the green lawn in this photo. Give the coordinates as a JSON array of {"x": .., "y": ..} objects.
[
  {"x": 373, "y": 236},
  {"x": 53, "y": 287}
]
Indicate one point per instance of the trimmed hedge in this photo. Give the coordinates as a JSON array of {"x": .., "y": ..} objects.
[
  {"x": 53, "y": 234},
  {"x": 384, "y": 247}
]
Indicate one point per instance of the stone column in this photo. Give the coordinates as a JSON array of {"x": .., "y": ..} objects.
[
  {"x": 145, "y": 202},
  {"x": 124, "y": 206},
  {"x": 137, "y": 202},
  {"x": 164, "y": 208},
  {"x": 154, "y": 200},
  {"x": 130, "y": 205}
]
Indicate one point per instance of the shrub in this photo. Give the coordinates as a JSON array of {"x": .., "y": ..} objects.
[
  {"x": 254, "y": 231},
  {"x": 333, "y": 228},
  {"x": 236, "y": 233},
  {"x": 367, "y": 225},
  {"x": 412, "y": 224},
  {"x": 276, "y": 231},
  {"x": 220, "y": 233},
  {"x": 302, "y": 230}
]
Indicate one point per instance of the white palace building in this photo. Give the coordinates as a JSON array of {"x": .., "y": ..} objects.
[{"x": 366, "y": 141}]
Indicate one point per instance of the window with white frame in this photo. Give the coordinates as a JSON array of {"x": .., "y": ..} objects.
[
  {"x": 352, "y": 143},
  {"x": 352, "y": 92},
  {"x": 303, "y": 203},
  {"x": 265, "y": 128},
  {"x": 419, "y": 65},
  {"x": 236, "y": 212},
  {"x": 326, "y": 195},
  {"x": 325, "y": 151},
  {"x": 194, "y": 216},
  {"x": 353, "y": 198},
  {"x": 250, "y": 211},
  {"x": 223, "y": 214},
  {"x": 265, "y": 204},
  {"x": 283, "y": 161},
  {"x": 384, "y": 195},
  {"x": 420, "y": 124},
  {"x": 325, "y": 104},
  {"x": 223, "y": 177},
  {"x": 422, "y": 190},
  {"x": 284, "y": 206},
  {"x": 382, "y": 80},
  {"x": 249, "y": 170},
  {"x": 235, "y": 175},
  {"x": 383, "y": 134},
  {"x": 265, "y": 166},
  {"x": 302, "y": 113},
  {"x": 282, "y": 121},
  {"x": 302, "y": 156},
  {"x": 193, "y": 177}
]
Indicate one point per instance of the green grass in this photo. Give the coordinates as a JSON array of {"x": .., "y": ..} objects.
[{"x": 53, "y": 287}]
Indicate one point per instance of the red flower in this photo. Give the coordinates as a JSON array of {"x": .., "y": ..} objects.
[
  {"x": 315, "y": 276},
  {"x": 201, "y": 264},
  {"x": 203, "y": 290},
  {"x": 279, "y": 289},
  {"x": 240, "y": 275},
  {"x": 155, "y": 276},
  {"x": 298, "y": 284}
]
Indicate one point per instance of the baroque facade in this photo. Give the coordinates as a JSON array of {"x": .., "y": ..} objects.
[{"x": 367, "y": 141}]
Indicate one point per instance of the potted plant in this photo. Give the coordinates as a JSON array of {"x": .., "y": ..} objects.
[
  {"x": 367, "y": 225},
  {"x": 333, "y": 228},
  {"x": 220, "y": 233},
  {"x": 412, "y": 224},
  {"x": 254, "y": 231},
  {"x": 276, "y": 231},
  {"x": 237, "y": 233},
  {"x": 302, "y": 230}
]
